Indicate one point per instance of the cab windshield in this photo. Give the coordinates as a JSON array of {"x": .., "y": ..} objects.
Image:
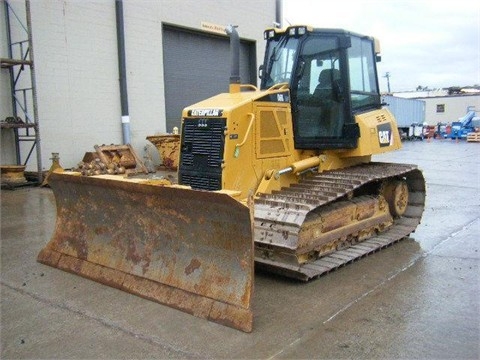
[{"x": 279, "y": 61}]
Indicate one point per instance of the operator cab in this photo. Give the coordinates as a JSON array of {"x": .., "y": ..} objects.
[{"x": 331, "y": 75}]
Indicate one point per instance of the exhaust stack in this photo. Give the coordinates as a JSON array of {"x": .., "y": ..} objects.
[{"x": 235, "y": 54}]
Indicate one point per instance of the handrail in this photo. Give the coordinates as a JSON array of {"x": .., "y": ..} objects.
[
  {"x": 249, "y": 128},
  {"x": 249, "y": 86},
  {"x": 279, "y": 86}
]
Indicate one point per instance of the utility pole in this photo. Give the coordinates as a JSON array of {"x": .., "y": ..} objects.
[{"x": 387, "y": 75}]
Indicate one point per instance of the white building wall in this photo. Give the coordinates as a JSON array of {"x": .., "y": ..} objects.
[
  {"x": 77, "y": 77},
  {"x": 455, "y": 107},
  {"x": 77, "y": 68}
]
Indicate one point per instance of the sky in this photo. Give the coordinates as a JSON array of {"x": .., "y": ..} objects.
[{"x": 428, "y": 43}]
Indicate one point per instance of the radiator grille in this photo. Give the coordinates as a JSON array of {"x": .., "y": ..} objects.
[
  {"x": 201, "y": 182},
  {"x": 202, "y": 153}
]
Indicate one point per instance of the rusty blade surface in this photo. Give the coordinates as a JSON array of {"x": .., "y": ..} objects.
[{"x": 191, "y": 250}]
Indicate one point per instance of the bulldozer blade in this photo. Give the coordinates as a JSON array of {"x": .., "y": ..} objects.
[{"x": 190, "y": 250}]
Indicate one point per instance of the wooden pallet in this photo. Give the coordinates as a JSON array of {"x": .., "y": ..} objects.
[{"x": 473, "y": 137}]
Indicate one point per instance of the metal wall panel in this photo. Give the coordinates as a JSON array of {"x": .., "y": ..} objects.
[{"x": 197, "y": 66}]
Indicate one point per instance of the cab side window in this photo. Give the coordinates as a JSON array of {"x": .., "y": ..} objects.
[
  {"x": 363, "y": 83},
  {"x": 319, "y": 101}
]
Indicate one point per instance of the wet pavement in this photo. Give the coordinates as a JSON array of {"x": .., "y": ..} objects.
[{"x": 419, "y": 298}]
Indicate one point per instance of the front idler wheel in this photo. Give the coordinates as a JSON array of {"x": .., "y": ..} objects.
[{"x": 395, "y": 193}]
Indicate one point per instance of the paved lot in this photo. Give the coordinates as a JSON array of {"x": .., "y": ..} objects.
[{"x": 417, "y": 299}]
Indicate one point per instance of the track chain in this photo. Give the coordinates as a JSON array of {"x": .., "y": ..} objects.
[{"x": 280, "y": 215}]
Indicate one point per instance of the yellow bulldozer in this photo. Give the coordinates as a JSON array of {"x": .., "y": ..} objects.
[{"x": 278, "y": 176}]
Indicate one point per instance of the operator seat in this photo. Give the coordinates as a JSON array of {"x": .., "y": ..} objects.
[
  {"x": 318, "y": 114},
  {"x": 329, "y": 105},
  {"x": 326, "y": 79}
]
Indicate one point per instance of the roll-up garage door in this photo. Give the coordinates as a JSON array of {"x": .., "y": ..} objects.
[{"x": 197, "y": 66}]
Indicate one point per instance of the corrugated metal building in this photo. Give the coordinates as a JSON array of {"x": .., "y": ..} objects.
[
  {"x": 172, "y": 60},
  {"x": 406, "y": 111}
]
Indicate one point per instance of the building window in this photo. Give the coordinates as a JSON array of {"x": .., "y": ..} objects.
[{"x": 440, "y": 108}]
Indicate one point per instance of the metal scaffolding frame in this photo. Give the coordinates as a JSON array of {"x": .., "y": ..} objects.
[{"x": 24, "y": 120}]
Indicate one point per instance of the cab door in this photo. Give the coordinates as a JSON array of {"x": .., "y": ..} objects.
[{"x": 317, "y": 95}]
